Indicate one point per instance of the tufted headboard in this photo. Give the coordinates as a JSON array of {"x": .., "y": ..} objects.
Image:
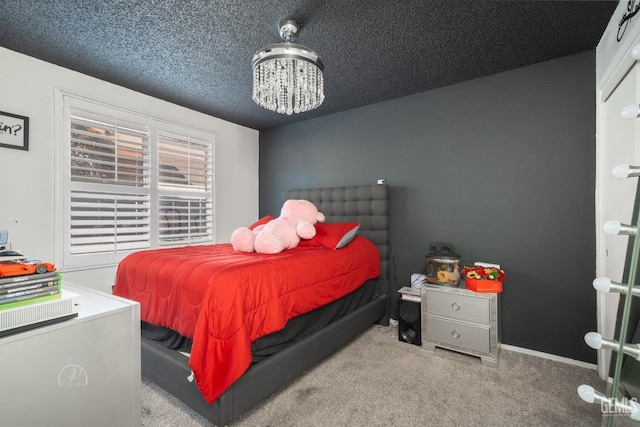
[{"x": 366, "y": 204}]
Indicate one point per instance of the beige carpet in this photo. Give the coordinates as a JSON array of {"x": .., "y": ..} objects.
[{"x": 379, "y": 381}]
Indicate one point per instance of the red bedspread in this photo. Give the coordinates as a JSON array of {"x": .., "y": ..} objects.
[{"x": 225, "y": 299}]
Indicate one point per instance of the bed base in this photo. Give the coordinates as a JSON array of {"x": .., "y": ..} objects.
[{"x": 169, "y": 369}]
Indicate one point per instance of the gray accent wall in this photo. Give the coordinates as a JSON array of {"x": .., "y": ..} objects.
[{"x": 501, "y": 167}]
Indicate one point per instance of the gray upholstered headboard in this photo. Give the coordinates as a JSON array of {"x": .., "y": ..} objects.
[{"x": 366, "y": 204}]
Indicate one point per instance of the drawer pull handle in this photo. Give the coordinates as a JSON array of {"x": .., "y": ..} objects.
[
  {"x": 455, "y": 306},
  {"x": 455, "y": 334}
]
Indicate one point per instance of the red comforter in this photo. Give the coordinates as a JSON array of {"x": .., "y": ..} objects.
[{"x": 224, "y": 299}]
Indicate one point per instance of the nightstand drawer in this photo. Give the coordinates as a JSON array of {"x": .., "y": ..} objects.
[
  {"x": 472, "y": 337},
  {"x": 459, "y": 307}
]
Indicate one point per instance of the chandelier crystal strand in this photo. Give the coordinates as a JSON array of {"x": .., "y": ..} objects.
[
  {"x": 287, "y": 77},
  {"x": 299, "y": 89}
]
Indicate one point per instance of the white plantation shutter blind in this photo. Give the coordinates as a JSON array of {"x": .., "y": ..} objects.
[
  {"x": 185, "y": 181},
  {"x": 184, "y": 219},
  {"x": 131, "y": 182},
  {"x": 184, "y": 162},
  {"x": 108, "y": 222},
  {"x": 107, "y": 151},
  {"x": 110, "y": 185}
]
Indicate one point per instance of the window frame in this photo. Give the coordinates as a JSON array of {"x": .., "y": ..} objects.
[{"x": 65, "y": 104}]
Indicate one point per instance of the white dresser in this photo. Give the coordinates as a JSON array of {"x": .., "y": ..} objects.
[
  {"x": 462, "y": 320},
  {"x": 80, "y": 372}
]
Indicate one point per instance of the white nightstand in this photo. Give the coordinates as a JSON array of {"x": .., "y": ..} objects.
[
  {"x": 80, "y": 372},
  {"x": 462, "y": 320}
]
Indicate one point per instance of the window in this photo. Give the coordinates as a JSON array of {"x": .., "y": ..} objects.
[
  {"x": 109, "y": 188},
  {"x": 184, "y": 185},
  {"x": 131, "y": 182}
]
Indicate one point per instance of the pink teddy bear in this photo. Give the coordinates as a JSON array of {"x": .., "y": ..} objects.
[{"x": 296, "y": 221}]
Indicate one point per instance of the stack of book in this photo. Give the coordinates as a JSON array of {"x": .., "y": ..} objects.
[{"x": 27, "y": 289}]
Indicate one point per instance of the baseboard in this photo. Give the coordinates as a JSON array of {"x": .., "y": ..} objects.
[{"x": 549, "y": 356}]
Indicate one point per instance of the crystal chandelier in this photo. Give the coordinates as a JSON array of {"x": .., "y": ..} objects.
[{"x": 287, "y": 77}]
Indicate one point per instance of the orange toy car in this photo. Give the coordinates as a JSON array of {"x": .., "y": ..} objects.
[{"x": 19, "y": 268}]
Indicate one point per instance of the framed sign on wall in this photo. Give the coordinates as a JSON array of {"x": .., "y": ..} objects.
[{"x": 14, "y": 131}]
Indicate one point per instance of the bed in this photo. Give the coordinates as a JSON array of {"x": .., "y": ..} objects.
[{"x": 279, "y": 357}]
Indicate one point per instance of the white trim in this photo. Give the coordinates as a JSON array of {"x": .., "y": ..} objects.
[{"x": 549, "y": 356}]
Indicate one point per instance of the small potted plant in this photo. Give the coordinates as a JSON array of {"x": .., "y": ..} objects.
[{"x": 483, "y": 278}]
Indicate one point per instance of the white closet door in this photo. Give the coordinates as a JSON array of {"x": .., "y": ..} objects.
[{"x": 618, "y": 142}]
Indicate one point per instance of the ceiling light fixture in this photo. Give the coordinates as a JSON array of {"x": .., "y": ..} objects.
[{"x": 287, "y": 77}]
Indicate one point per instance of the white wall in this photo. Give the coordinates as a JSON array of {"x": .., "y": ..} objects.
[{"x": 28, "y": 181}]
